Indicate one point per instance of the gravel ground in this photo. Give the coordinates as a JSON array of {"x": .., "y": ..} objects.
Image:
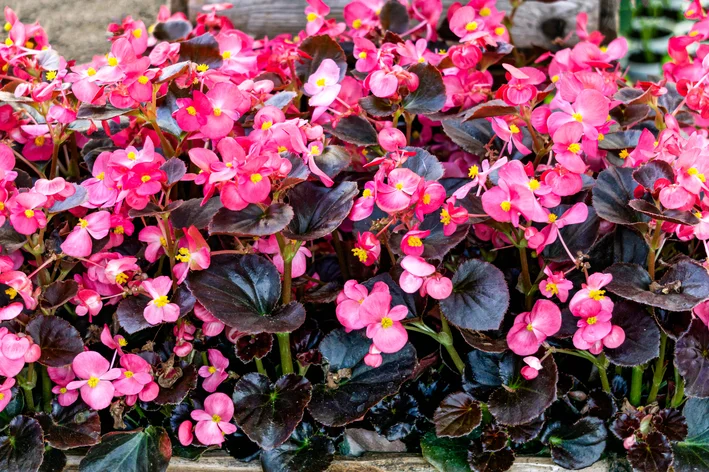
[{"x": 77, "y": 28}]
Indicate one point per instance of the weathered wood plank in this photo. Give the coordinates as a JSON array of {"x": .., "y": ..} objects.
[{"x": 536, "y": 23}]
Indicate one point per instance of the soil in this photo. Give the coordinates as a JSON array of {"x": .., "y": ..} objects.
[{"x": 77, "y": 28}]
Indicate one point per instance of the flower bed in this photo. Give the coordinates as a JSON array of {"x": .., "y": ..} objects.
[{"x": 398, "y": 233}]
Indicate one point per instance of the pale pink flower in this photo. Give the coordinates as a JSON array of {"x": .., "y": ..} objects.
[
  {"x": 96, "y": 375},
  {"x": 160, "y": 309},
  {"x": 215, "y": 420},
  {"x": 215, "y": 373}
]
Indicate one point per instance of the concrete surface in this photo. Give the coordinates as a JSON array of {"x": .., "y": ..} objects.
[{"x": 77, "y": 28}]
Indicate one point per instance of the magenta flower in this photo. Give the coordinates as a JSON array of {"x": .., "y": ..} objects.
[
  {"x": 392, "y": 139},
  {"x": 6, "y": 392},
  {"x": 61, "y": 376},
  {"x": 155, "y": 237},
  {"x": 349, "y": 303},
  {"x": 211, "y": 326},
  {"x": 364, "y": 205},
  {"x": 25, "y": 215},
  {"x": 218, "y": 109},
  {"x": 383, "y": 84},
  {"x": 96, "y": 375},
  {"x": 367, "y": 248},
  {"x": 215, "y": 373},
  {"x": 452, "y": 216},
  {"x": 567, "y": 147},
  {"x": 595, "y": 323},
  {"x": 575, "y": 215},
  {"x": 366, "y": 53},
  {"x": 88, "y": 301},
  {"x": 437, "y": 286},
  {"x": 193, "y": 254},
  {"x": 593, "y": 290},
  {"x": 374, "y": 357},
  {"x": 116, "y": 342},
  {"x": 412, "y": 244},
  {"x": 396, "y": 194},
  {"x": 323, "y": 84},
  {"x": 215, "y": 420},
  {"x": 136, "y": 374},
  {"x": 160, "y": 309},
  {"x": 555, "y": 284},
  {"x": 21, "y": 285},
  {"x": 590, "y": 109},
  {"x": 416, "y": 269},
  {"x": 479, "y": 176},
  {"x": 184, "y": 433},
  {"x": 466, "y": 23},
  {"x": 506, "y": 203},
  {"x": 531, "y": 329},
  {"x": 383, "y": 322},
  {"x": 429, "y": 198},
  {"x": 510, "y": 134},
  {"x": 315, "y": 13},
  {"x": 96, "y": 225}
]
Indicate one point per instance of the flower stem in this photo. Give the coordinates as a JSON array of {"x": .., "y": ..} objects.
[
  {"x": 46, "y": 391},
  {"x": 602, "y": 364},
  {"x": 259, "y": 366},
  {"x": 636, "y": 385},
  {"x": 678, "y": 396},
  {"x": 447, "y": 342},
  {"x": 341, "y": 258},
  {"x": 659, "y": 373},
  {"x": 284, "y": 338},
  {"x": 526, "y": 279}
]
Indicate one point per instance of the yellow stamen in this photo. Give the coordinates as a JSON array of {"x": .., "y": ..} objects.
[
  {"x": 366, "y": 193},
  {"x": 422, "y": 60},
  {"x": 162, "y": 300},
  {"x": 445, "y": 217},
  {"x": 137, "y": 33},
  {"x": 8, "y": 42},
  {"x": 101, "y": 176},
  {"x": 320, "y": 82},
  {"x": 577, "y": 116},
  {"x": 145, "y": 179},
  {"x": 552, "y": 217},
  {"x": 357, "y": 24},
  {"x": 191, "y": 110},
  {"x": 11, "y": 292},
  {"x": 122, "y": 342},
  {"x": 212, "y": 369},
  {"x": 93, "y": 382},
  {"x": 315, "y": 150},
  {"x": 163, "y": 242},
  {"x": 62, "y": 390},
  {"x": 90, "y": 71},
  {"x": 112, "y": 61},
  {"x": 2, "y": 206},
  {"x": 202, "y": 68},
  {"x": 7, "y": 26},
  {"x": 500, "y": 30},
  {"x": 604, "y": 49},
  {"x": 282, "y": 149},
  {"x": 415, "y": 241},
  {"x": 693, "y": 33},
  {"x": 530, "y": 327},
  {"x": 143, "y": 80},
  {"x": 183, "y": 255},
  {"x": 360, "y": 254},
  {"x": 552, "y": 288},
  {"x": 312, "y": 17},
  {"x": 29, "y": 213},
  {"x": 473, "y": 171},
  {"x": 426, "y": 199},
  {"x": 506, "y": 205},
  {"x": 217, "y": 112},
  {"x": 119, "y": 230},
  {"x": 256, "y": 178},
  {"x": 266, "y": 125},
  {"x": 623, "y": 154},
  {"x": 533, "y": 185},
  {"x": 363, "y": 55},
  {"x": 399, "y": 186},
  {"x": 554, "y": 79},
  {"x": 472, "y": 26},
  {"x": 514, "y": 129},
  {"x": 387, "y": 322},
  {"x": 83, "y": 223},
  {"x": 51, "y": 75},
  {"x": 226, "y": 55},
  {"x": 695, "y": 173},
  {"x": 128, "y": 374},
  {"x": 592, "y": 320},
  {"x": 39, "y": 141},
  {"x": 575, "y": 148},
  {"x": 121, "y": 278},
  {"x": 485, "y": 11},
  {"x": 601, "y": 136},
  {"x": 597, "y": 295}
]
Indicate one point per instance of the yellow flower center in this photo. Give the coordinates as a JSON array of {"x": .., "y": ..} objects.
[
  {"x": 312, "y": 17},
  {"x": 472, "y": 26},
  {"x": 415, "y": 241},
  {"x": 226, "y": 55},
  {"x": 473, "y": 171},
  {"x": 7, "y": 26},
  {"x": 93, "y": 382},
  {"x": 554, "y": 79},
  {"x": 366, "y": 193},
  {"x": 533, "y": 184},
  {"x": 506, "y": 205},
  {"x": 202, "y": 68},
  {"x": 191, "y": 111},
  {"x": 592, "y": 320},
  {"x": 320, "y": 82},
  {"x": 597, "y": 294},
  {"x": 500, "y": 30},
  {"x": 360, "y": 254},
  {"x": 577, "y": 116},
  {"x": 63, "y": 390},
  {"x": 8, "y": 42},
  {"x": 137, "y": 33},
  {"x": 2, "y": 206},
  {"x": 121, "y": 278},
  {"x": 514, "y": 129},
  {"x": 39, "y": 141},
  {"x": 183, "y": 255},
  {"x": 131, "y": 156},
  {"x": 142, "y": 79},
  {"x": 29, "y": 213},
  {"x": 485, "y": 11},
  {"x": 212, "y": 369},
  {"x": 552, "y": 217},
  {"x": 552, "y": 288},
  {"x": 122, "y": 342},
  {"x": 399, "y": 186},
  {"x": 83, "y": 223},
  {"x": 695, "y": 173},
  {"x": 119, "y": 230},
  {"x": 601, "y": 136},
  {"x": 51, "y": 75},
  {"x": 575, "y": 148},
  {"x": 357, "y": 24},
  {"x": 387, "y": 322},
  {"x": 256, "y": 178},
  {"x": 90, "y": 71},
  {"x": 698, "y": 214},
  {"x": 128, "y": 374},
  {"x": 363, "y": 55},
  {"x": 426, "y": 199},
  {"x": 604, "y": 49},
  {"x": 266, "y": 125},
  {"x": 145, "y": 179},
  {"x": 623, "y": 154},
  {"x": 445, "y": 217},
  {"x": 693, "y": 33},
  {"x": 11, "y": 292},
  {"x": 282, "y": 149},
  {"x": 161, "y": 301},
  {"x": 163, "y": 241},
  {"x": 530, "y": 327},
  {"x": 315, "y": 150},
  {"x": 112, "y": 61},
  {"x": 217, "y": 112},
  {"x": 690, "y": 12}
]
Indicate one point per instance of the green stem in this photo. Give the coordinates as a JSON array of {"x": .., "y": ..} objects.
[
  {"x": 636, "y": 385},
  {"x": 55, "y": 158},
  {"x": 284, "y": 338},
  {"x": 659, "y": 373},
  {"x": 448, "y": 344},
  {"x": 602, "y": 364},
  {"x": 46, "y": 391},
  {"x": 409, "y": 119},
  {"x": 678, "y": 396},
  {"x": 526, "y": 279},
  {"x": 28, "y": 385},
  {"x": 341, "y": 258},
  {"x": 259, "y": 366}
]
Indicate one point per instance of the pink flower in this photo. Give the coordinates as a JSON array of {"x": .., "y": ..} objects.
[
  {"x": 184, "y": 433},
  {"x": 19, "y": 284},
  {"x": 396, "y": 194},
  {"x": 364, "y": 205},
  {"x": 215, "y": 420},
  {"x": 466, "y": 24},
  {"x": 89, "y": 301},
  {"x": 315, "y": 13},
  {"x": 612, "y": 340},
  {"x": 120, "y": 271},
  {"x": 531, "y": 329},
  {"x": 349, "y": 303},
  {"x": 136, "y": 379},
  {"x": 95, "y": 225},
  {"x": 160, "y": 309},
  {"x": 567, "y": 147},
  {"x": 116, "y": 342},
  {"x": 217, "y": 110},
  {"x": 590, "y": 109},
  {"x": 62, "y": 376},
  {"x": 521, "y": 86},
  {"x": 366, "y": 53},
  {"x": 592, "y": 290},
  {"x": 374, "y": 357},
  {"x": 323, "y": 84},
  {"x": 510, "y": 134},
  {"x": 479, "y": 177},
  {"x": 594, "y": 325},
  {"x": 429, "y": 198},
  {"x": 215, "y": 373},
  {"x": 96, "y": 374},
  {"x": 6, "y": 392},
  {"x": 211, "y": 326},
  {"x": 392, "y": 139},
  {"x": 155, "y": 237},
  {"x": 383, "y": 84},
  {"x": 193, "y": 254},
  {"x": 25, "y": 216},
  {"x": 575, "y": 215},
  {"x": 701, "y": 311},
  {"x": 531, "y": 370},
  {"x": 412, "y": 244},
  {"x": 506, "y": 203},
  {"x": 416, "y": 269},
  {"x": 383, "y": 322},
  {"x": 555, "y": 284},
  {"x": 452, "y": 216},
  {"x": 367, "y": 248},
  {"x": 437, "y": 286}
]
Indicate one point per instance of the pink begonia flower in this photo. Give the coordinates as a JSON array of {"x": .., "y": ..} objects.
[
  {"x": 555, "y": 284},
  {"x": 349, "y": 303},
  {"x": 136, "y": 379},
  {"x": 184, "y": 333},
  {"x": 211, "y": 326},
  {"x": 88, "y": 301},
  {"x": 215, "y": 373},
  {"x": 510, "y": 134},
  {"x": 315, "y": 13},
  {"x": 479, "y": 177},
  {"x": 121, "y": 227},
  {"x": 531, "y": 329},
  {"x": 429, "y": 198},
  {"x": 193, "y": 254},
  {"x": 437, "y": 286},
  {"x": 61, "y": 376},
  {"x": 592, "y": 290},
  {"x": 577, "y": 214},
  {"x": 416, "y": 269},
  {"x": 15, "y": 351},
  {"x": 215, "y": 420},
  {"x": 364, "y": 205},
  {"x": 300, "y": 260},
  {"x": 531, "y": 370},
  {"x": 506, "y": 203},
  {"x": 25, "y": 215},
  {"x": 567, "y": 147},
  {"x": 160, "y": 309},
  {"x": 323, "y": 84},
  {"x": 383, "y": 84},
  {"x": 367, "y": 248},
  {"x": 590, "y": 109},
  {"x": 120, "y": 271},
  {"x": 612, "y": 340},
  {"x": 366, "y": 54},
  {"x": 466, "y": 23},
  {"x": 360, "y": 17},
  {"x": 20, "y": 284},
  {"x": 6, "y": 392},
  {"x": 95, "y": 225},
  {"x": 39, "y": 146},
  {"x": 155, "y": 237},
  {"x": 217, "y": 110},
  {"x": 235, "y": 58},
  {"x": 184, "y": 433},
  {"x": 383, "y": 322},
  {"x": 374, "y": 357},
  {"x": 452, "y": 216},
  {"x": 412, "y": 244},
  {"x": 521, "y": 85},
  {"x": 95, "y": 387},
  {"x": 396, "y": 194},
  {"x": 11, "y": 311},
  {"x": 117, "y": 342},
  {"x": 595, "y": 323},
  {"x": 392, "y": 139}
]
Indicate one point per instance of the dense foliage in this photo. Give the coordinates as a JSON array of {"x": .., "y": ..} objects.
[{"x": 397, "y": 233}]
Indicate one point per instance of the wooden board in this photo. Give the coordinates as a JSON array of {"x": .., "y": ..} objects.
[{"x": 536, "y": 23}]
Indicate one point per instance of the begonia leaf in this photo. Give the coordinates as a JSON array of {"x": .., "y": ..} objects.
[
  {"x": 252, "y": 220},
  {"x": 318, "y": 210},
  {"x": 355, "y": 130},
  {"x": 692, "y": 359},
  {"x": 203, "y": 49},
  {"x": 642, "y": 336},
  {"x": 576, "y": 446},
  {"x": 652, "y": 454},
  {"x": 147, "y": 450},
  {"x": 21, "y": 445},
  {"x": 445, "y": 454},
  {"x": 193, "y": 213},
  {"x": 59, "y": 341},
  {"x": 307, "y": 450},
  {"x": 394, "y": 17},
  {"x": 457, "y": 415},
  {"x": 430, "y": 96},
  {"x": 317, "y": 49},
  {"x": 613, "y": 191},
  {"x": 72, "y": 426},
  {"x": 692, "y": 454}
]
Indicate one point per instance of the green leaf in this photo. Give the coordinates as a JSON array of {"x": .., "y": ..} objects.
[
  {"x": 21, "y": 446},
  {"x": 576, "y": 446},
  {"x": 445, "y": 454},
  {"x": 306, "y": 451},
  {"x": 692, "y": 454},
  {"x": 146, "y": 450}
]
